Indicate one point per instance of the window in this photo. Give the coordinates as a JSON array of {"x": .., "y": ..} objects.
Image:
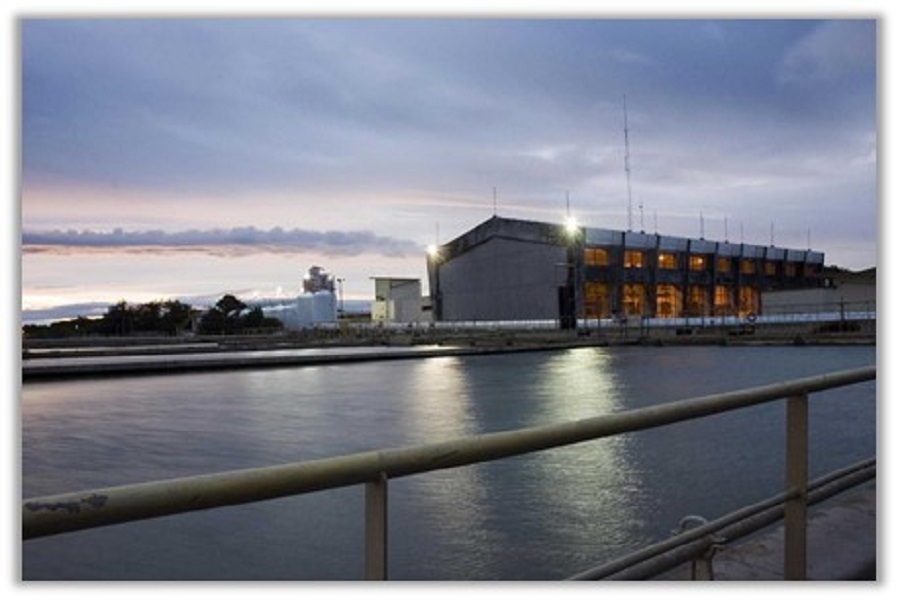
[
  {"x": 668, "y": 301},
  {"x": 770, "y": 267},
  {"x": 596, "y": 257},
  {"x": 633, "y": 299},
  {"x": 748, "y": 267},
  {"x": 667, "y": 260},
  {"x": 723, "y": 264},
  {"x": 634, "y": 259},
  {"x": 790, "y": 269},
  {"x": 696, "y": 301},
  {"x": 723, "y": 300},
  {"x": 747, "y": 300},
  {"x": 697, "y": 262},
  {"x": 596, "y": 300}
]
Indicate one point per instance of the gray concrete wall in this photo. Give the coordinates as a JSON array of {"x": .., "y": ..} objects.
[
  {"x": 407, "y": 297},
  {"x": 854, "y": 296},
  {"x": 503, "y": 279}
]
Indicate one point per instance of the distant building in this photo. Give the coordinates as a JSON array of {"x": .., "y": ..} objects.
[
  {"x": 317, "y": 279},
  {"x": 304, "y": 311},
  {"x": 397, "y": 300},
  {"x": 315, "y": 306},
  {"x": 516, "y": 270}
]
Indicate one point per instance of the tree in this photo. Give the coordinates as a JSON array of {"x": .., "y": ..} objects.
[
  {"x": 213, "y": 322},
  {"x": 230, "y": 306},
  {"x": 175, "y": 316},
  {"x": 224, "y": 317},
  {"x": 118, "y": 320},
  {"x": 147, "y": 317}
]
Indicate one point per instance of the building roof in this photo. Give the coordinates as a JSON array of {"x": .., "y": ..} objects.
[{"x": 551, "y": 233}]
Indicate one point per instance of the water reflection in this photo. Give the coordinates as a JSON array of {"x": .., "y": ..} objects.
[
  {"x": 443, "y": 520},
  {"x": 540, "y": 516},
  {"x": 591, "y": 490},
  {"x": 509, "y": 519}
]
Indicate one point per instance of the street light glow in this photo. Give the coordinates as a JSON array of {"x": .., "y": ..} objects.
[
  {"x": 432, "y": 250},
  {"x": 571, "y": 225}
]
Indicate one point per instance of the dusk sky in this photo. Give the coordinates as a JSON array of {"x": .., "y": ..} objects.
[{"x": 185, "y": 158}]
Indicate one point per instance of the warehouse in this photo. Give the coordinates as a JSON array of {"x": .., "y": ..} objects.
[{"x": 516, "y": 270}]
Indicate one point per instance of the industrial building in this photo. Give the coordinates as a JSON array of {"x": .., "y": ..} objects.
[
  {"x": 315, "y": 306},
  {"x": 516, "y": 270},
  {"x": 397, "y": 300}
]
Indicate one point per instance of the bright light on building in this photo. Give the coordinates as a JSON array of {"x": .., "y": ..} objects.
[
  {"x": 432, "y": 250},
  {"x": 571, "y": 225}
]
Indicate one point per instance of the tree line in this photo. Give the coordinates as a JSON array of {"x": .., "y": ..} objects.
[{"x": 169, "y": 317}]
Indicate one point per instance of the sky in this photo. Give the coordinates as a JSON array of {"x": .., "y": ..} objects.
[{"x": 189, "y": 157}]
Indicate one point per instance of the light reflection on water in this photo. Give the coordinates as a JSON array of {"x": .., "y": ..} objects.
[{"x": 540, "y": 516}]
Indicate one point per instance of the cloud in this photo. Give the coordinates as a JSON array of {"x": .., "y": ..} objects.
[
  {"x": 832, "y": 51},
  {"x": 234, "y": 241},
  {"x": 388, "y": 125}
]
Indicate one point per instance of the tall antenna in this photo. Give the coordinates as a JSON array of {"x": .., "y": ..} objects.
[
  {"x": 808, "y": 238},
  {"x": 495, "y": 201},
  {"x": 726, "y": 229},
  {"x": 772, "y": 233},
  {"x": 568, "y": 214},
  {"x": 701, "y": 225},
  {"x": 627, "y": 160}
]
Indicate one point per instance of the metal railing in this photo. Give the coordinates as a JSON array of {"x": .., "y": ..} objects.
[{"x": 50, "y": 515}]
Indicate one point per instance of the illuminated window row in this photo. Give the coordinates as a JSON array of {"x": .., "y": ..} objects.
[
  {"x": 635, "y": 259},
  {"x": 668, "y": 300}
]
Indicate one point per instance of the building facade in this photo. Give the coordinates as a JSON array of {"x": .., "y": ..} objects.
[
  {"x": 397, "y": 300},
  {"x": 516, "y": 270}
]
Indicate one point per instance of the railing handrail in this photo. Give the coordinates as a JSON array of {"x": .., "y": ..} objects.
[{"x": 50, "y": 515}]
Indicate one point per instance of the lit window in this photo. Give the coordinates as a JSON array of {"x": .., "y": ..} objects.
[
  {"x": 596, "y": 300},
  {"x": 697, "y": 263},
  {"x": 668, "y": 301},
  {"x": 696, "y": 300},
  {"x": 596, "y": 257},
  {"x": 723, "y": 297},
  {"x": 633, "y": 299},
  {"x": 770, "y": 267},
  {"x": 747, "y": 300},
  {"x": 667, "y": 260},
  {"x": 723, "y": 264},
  {"x": 634, "y": 259},
  {"x": 748, "y": 267}
]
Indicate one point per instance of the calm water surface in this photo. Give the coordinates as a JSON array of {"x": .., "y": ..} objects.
[{"x": 543, "y": 516}]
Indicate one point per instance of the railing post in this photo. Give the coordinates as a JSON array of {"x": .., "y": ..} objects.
[
  {"x": 376, "y": 528},
  {"x": 796, "y": 484}
]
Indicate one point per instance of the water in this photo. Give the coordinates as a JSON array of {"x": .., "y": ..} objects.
[{"x": 542, "y": 516}]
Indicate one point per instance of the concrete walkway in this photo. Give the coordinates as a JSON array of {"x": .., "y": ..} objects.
[{"x": 841, "y": 545}]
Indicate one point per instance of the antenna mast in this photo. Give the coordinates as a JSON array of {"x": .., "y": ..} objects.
[
  {"x": 495, "y": 201},
  {"x": 627, "y": 159}
]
